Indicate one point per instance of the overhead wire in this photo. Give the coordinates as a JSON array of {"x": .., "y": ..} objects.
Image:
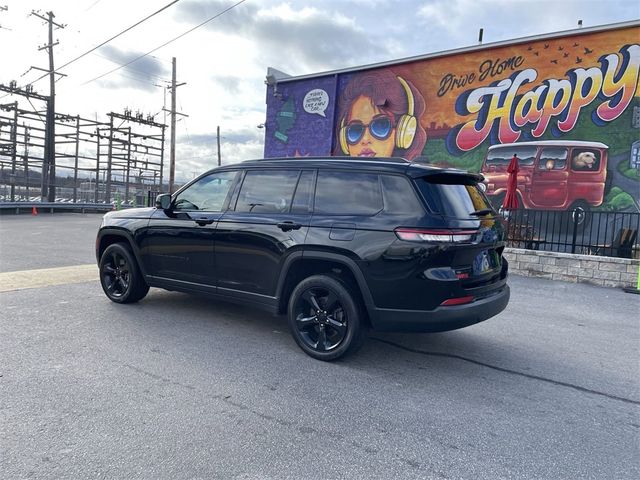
[
  {"x": 107, "y": 41},
  {"x": 165, "y": 44}
]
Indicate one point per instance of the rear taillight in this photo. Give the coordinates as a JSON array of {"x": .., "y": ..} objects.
[{"x": 434, "y": 235}]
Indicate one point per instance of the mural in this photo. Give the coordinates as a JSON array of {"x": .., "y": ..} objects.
[{"x": 569, "y": 106}]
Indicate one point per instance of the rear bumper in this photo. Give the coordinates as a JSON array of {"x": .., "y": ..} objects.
[{"x": 442, "y": 318}]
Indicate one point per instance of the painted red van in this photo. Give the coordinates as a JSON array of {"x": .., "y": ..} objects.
[{"x": 553, "y": 175}]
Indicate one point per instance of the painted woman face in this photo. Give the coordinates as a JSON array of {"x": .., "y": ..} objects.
[{"x": 369, "y": 132}]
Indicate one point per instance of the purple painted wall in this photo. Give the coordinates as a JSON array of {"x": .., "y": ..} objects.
[{"x": 300, "y": 118}]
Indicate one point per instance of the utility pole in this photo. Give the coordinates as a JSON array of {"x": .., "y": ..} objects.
[
  {"x": 218, "y": 138},
  {"x": 49, "y": 164},
  {"x": 172, "y": 146}
]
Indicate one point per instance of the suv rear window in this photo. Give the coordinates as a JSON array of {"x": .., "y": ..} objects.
[{"x": 452, "y": 195}]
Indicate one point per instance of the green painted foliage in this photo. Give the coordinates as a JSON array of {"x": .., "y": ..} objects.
[{"x": 616, "y": 199}]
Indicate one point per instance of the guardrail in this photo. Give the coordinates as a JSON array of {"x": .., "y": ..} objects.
[
  {"x": 68, "y": 205},
  {"x": 26, "y": 207}
]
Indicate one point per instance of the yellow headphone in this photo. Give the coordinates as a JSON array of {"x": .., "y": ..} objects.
[{"x": 405, "y": 128}]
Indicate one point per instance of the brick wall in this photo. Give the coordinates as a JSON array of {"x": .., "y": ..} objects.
[{"x": 602, "y": 271}]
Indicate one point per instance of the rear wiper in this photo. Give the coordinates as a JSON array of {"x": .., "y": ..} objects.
[{"x": 482, "y": 213}]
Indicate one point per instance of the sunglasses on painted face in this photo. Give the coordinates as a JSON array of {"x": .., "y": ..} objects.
[{"x": 380, "y": 128}]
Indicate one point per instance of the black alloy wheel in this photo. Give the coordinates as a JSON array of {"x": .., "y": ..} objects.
[
  {"x": 324, "y": 318},
  {"x": 120, "y": 276}
]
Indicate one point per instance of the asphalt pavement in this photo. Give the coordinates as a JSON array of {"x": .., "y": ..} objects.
[{"x": 178, "y": 386}]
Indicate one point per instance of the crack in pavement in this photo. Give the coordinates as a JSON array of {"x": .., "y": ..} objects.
[{"x": 506, "y": 370}]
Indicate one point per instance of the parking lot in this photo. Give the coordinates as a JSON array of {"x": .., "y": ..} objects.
[{"x": 178, "y": 386}]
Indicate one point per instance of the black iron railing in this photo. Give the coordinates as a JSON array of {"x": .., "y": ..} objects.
[{"x": 612, "y": 234}]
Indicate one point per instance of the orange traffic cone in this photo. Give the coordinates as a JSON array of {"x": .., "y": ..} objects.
[{"x": 34, "y": 210}]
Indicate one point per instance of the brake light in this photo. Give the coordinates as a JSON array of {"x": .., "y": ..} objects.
[
  {"x": 457, "y": 301},
  {"x": 434, "y": 235}
]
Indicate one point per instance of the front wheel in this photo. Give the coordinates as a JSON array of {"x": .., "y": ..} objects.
[
  {"x": 579, "y": 214},
  {"x": 325, "y": 318},
  {"x": 120, "y": 275}
]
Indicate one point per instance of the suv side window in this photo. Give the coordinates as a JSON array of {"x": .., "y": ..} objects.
[
  {"x": 207, "y": 194},
  {"x": 267, "y": 191},
  {"x": 347, "y": 193},
  {"x": 585, "y": 160},
  {"x": 553, "y": 158},
  {"x": 399, "y": 196}
]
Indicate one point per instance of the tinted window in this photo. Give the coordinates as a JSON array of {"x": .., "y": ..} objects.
[
  {"x": 452, "y": 195},
  {"x": 267, "y": 191},
  {"x": 207, "y": 194},
  {"x": 502, "y": 156},
  {"x": 302, "y": 197},
  {"x": 585, "y": 160},
  {"x": 553, "y": 158},
  {"x": 348, "y": 193},
  {"x": 399, "y": 196}
]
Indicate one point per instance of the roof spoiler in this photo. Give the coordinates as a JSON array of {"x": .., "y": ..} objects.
[{"x": 447, "y": 176}]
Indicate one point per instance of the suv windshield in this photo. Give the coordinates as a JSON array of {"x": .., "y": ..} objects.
[{"x": 452, "y": 195}]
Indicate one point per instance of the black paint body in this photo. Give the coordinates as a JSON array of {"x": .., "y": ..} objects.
[{"x": 247, "y": 257}]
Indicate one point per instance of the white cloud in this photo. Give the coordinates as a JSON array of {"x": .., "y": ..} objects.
[{"x": 224, "y": 64}]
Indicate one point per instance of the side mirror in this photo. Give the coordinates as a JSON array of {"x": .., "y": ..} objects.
[{"x": 163, "y": 201}]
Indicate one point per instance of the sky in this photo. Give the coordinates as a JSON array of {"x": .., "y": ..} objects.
[{"x": 224, "y": 63}]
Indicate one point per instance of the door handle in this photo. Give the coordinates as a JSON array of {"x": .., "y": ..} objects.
[
  {"x": 289, "y": 225},
  {"x": 204, "y": 221}
]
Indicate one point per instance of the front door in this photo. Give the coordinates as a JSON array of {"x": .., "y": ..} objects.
[
  {"x": 178, "y": 245},
  {"x": 549, "y": 182}
]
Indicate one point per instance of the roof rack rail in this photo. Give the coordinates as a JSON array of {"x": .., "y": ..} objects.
[{"x": 338, "y": 159}]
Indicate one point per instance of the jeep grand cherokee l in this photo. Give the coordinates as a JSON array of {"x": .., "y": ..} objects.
[{"x": 338, "y": 244}]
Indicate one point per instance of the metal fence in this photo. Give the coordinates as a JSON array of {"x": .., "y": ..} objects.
[{"x": 611, "y": 234}]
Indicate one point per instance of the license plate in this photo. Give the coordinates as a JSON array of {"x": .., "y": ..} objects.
[{"x": 484, "y": 262}]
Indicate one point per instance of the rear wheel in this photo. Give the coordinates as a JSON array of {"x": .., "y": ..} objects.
[
  {"x": 325, "y": 318},
  {"x": 120, "y": 275}
]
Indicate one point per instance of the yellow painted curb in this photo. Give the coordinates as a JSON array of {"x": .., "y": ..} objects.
[{"x": 47, "y": 277}]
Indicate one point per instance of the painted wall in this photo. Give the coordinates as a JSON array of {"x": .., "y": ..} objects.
[{"x": 451, "y": 109}]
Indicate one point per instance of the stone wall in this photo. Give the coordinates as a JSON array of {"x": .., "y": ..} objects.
[{"x": 595, "y": 270}]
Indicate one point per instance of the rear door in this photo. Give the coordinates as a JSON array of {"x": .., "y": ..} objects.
[{"x": 268, "y": 220}]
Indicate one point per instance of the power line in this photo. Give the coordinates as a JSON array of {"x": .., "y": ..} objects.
[
  {"x": 112, "y": 38},
  {"x": 165, "y": 44}
]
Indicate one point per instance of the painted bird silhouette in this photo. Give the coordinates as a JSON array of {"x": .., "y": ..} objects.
[
  {"x": 576, "y": 44},
  {"x": 554, "y": 61},
  {"x": 578, "y": 60},
  {"x": 565, "y": 55},
  {"x": 536, "y": 54},
  {"x": 530, "y": 48},
  {"x": 560, "y": 49},
  {"x": 546, "y": 45},
  {"x": 587, "y": 51}
]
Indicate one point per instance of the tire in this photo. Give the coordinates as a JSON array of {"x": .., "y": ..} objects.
[
  {"x": 580, "y": 212},
  {"x": 338, "y": 328},
  {"x": 120, "y": 275}
]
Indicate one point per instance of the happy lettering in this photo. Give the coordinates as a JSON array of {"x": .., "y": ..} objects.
[{"x": 504, "y": 107}]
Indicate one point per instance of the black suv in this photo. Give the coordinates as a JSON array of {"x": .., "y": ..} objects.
[{"x": 339, "y": 244}]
